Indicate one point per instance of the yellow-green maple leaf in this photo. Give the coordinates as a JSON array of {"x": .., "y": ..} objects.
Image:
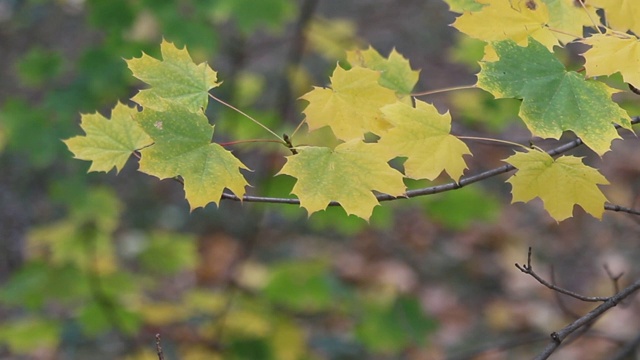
[
  {"x": 621, "y": 15},
  {"x": 560, "y": 183},
  {"x": 516, "y": 20},
  {"x": 610, "y": 54},
  {"x": 569, "y": 17},
  {"x": 108, "y": 143},
  {"x": 396, "y": 73},
  {"x": 347, "y": 174},
  {"x": 182, "y": 147},
  {"x": 352, "y": 106},
  {"x": 174, "y": 79},
  {"x": 423, "y": 136}
]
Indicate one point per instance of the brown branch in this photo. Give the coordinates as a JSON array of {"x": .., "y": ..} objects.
[
  {"x": 464, "y": 181},
  {"x": 582, "y": 323},
  {"x": 528, "y": 269},
  {"x": 559, "y": 336},
  {"x": 159, "y": 348}
]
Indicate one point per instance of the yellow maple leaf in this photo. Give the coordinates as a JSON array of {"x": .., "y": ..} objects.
[
  {"x": 351, "y": 107},
  {"x": 568, "y": 17},
  {"x": 347, "y": 174},
  {"x": 610, "y": 54},
  {"x": 621, "y": 15},
  {"x": 509, "y": 19},
  {"x": 423, "y": 136},
  {"x": 560, "y": 183}
]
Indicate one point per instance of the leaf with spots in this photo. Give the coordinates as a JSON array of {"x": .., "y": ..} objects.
[
  {"x": 108, "y": 143},
  {"x": 554, "y": 100},
  {"x": 351, "y": 107},
  {"x": 175, "y": 79},
  {"x": 517, "y": 20},
  {"x": 422, "y": 135},
  {"x": 347, "y": 174},
  {"x": 182, "y": 147},
  {"x": 560, "y": 183}
]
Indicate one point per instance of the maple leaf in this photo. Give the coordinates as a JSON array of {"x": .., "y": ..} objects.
[
  {"x": 610, "y": 54},
  {"x": 423, "y": 136},
  {"x": 560, "y": 183},
  {"x": 352, "y": 106},
  {"x": 516, "y": 20},
  {"x": 460, "y": 6},
  {"x": 621, "y": 15},
  {"x": 396, "y": 73},
  {"x": 347, "y": 174},
  {"x": 174, "y": 79},
  {"x": 554, "y": 100},
  {"x": 183, "y": 148},
  {"x": 567, "y": 18},
  {"x": 108, "y": 143}
]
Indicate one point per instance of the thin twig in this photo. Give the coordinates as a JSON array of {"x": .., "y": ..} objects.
[
  {"x": 528, "y": 269},
  {"x": 559, "y": 336},
  {"x": 159, "y": 348},
  {"x": 441, "y": 188}
]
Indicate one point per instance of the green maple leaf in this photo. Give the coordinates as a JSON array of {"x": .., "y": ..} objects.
[
  {"x": 347, "y": 174},
  {"x": 183, "y": 148},
  {"x": 396, "y": 73},
  {"x": 423, "y": 136},
  {"x": 174, "y": 79},
  {"x": 108, "y": 143},
  {"x": 352, "y": 106},
  {"x": 554, "y": 100},
  {"x": 560, "y": 183}
]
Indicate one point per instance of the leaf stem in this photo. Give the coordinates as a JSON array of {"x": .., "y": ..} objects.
[
  {"x": 299, "y": 126},
  {"x": 248, "y": 117},
  {"x": 493, "y": 140},
  {"x": 437, "y": 91},
  {"x": 250, "y": 141},
  {"x": 563, "y": 32}
]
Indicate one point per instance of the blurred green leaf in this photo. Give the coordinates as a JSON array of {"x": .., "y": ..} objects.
[
  {"x": 167, "y": 253},
  {"x": 38, "y": 282},
  {"x": 393, "y": 326},
  {"x": 302, "y": 286},
  {"x": 460, "y": 208},
  {"x": 39, "y": 66},
  {"x": 97, "y": 318},
  {"x": 31, "y": 131},
  {"x": 29, "y": 334},
  {"x": 249, "y": 15}
]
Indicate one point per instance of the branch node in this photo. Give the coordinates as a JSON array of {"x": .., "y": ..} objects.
[{"x": 555, "y": 337}]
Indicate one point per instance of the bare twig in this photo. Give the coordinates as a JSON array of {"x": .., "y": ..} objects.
[
  {"x": 528, "y": 269},
  {"x": 559, "y": 336},
  {"x": 159, "y": 348}
]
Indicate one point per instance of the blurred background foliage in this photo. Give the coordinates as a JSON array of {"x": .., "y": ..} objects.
[{"x": 94, "y": 265}]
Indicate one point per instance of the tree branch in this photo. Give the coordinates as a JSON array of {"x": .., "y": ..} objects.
[
  {"x": 464, "y": 181},
  {"x": 528, "y": 269},
  {"x": 583, "y": 322},
  {"x": 558, "y": 336}
]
